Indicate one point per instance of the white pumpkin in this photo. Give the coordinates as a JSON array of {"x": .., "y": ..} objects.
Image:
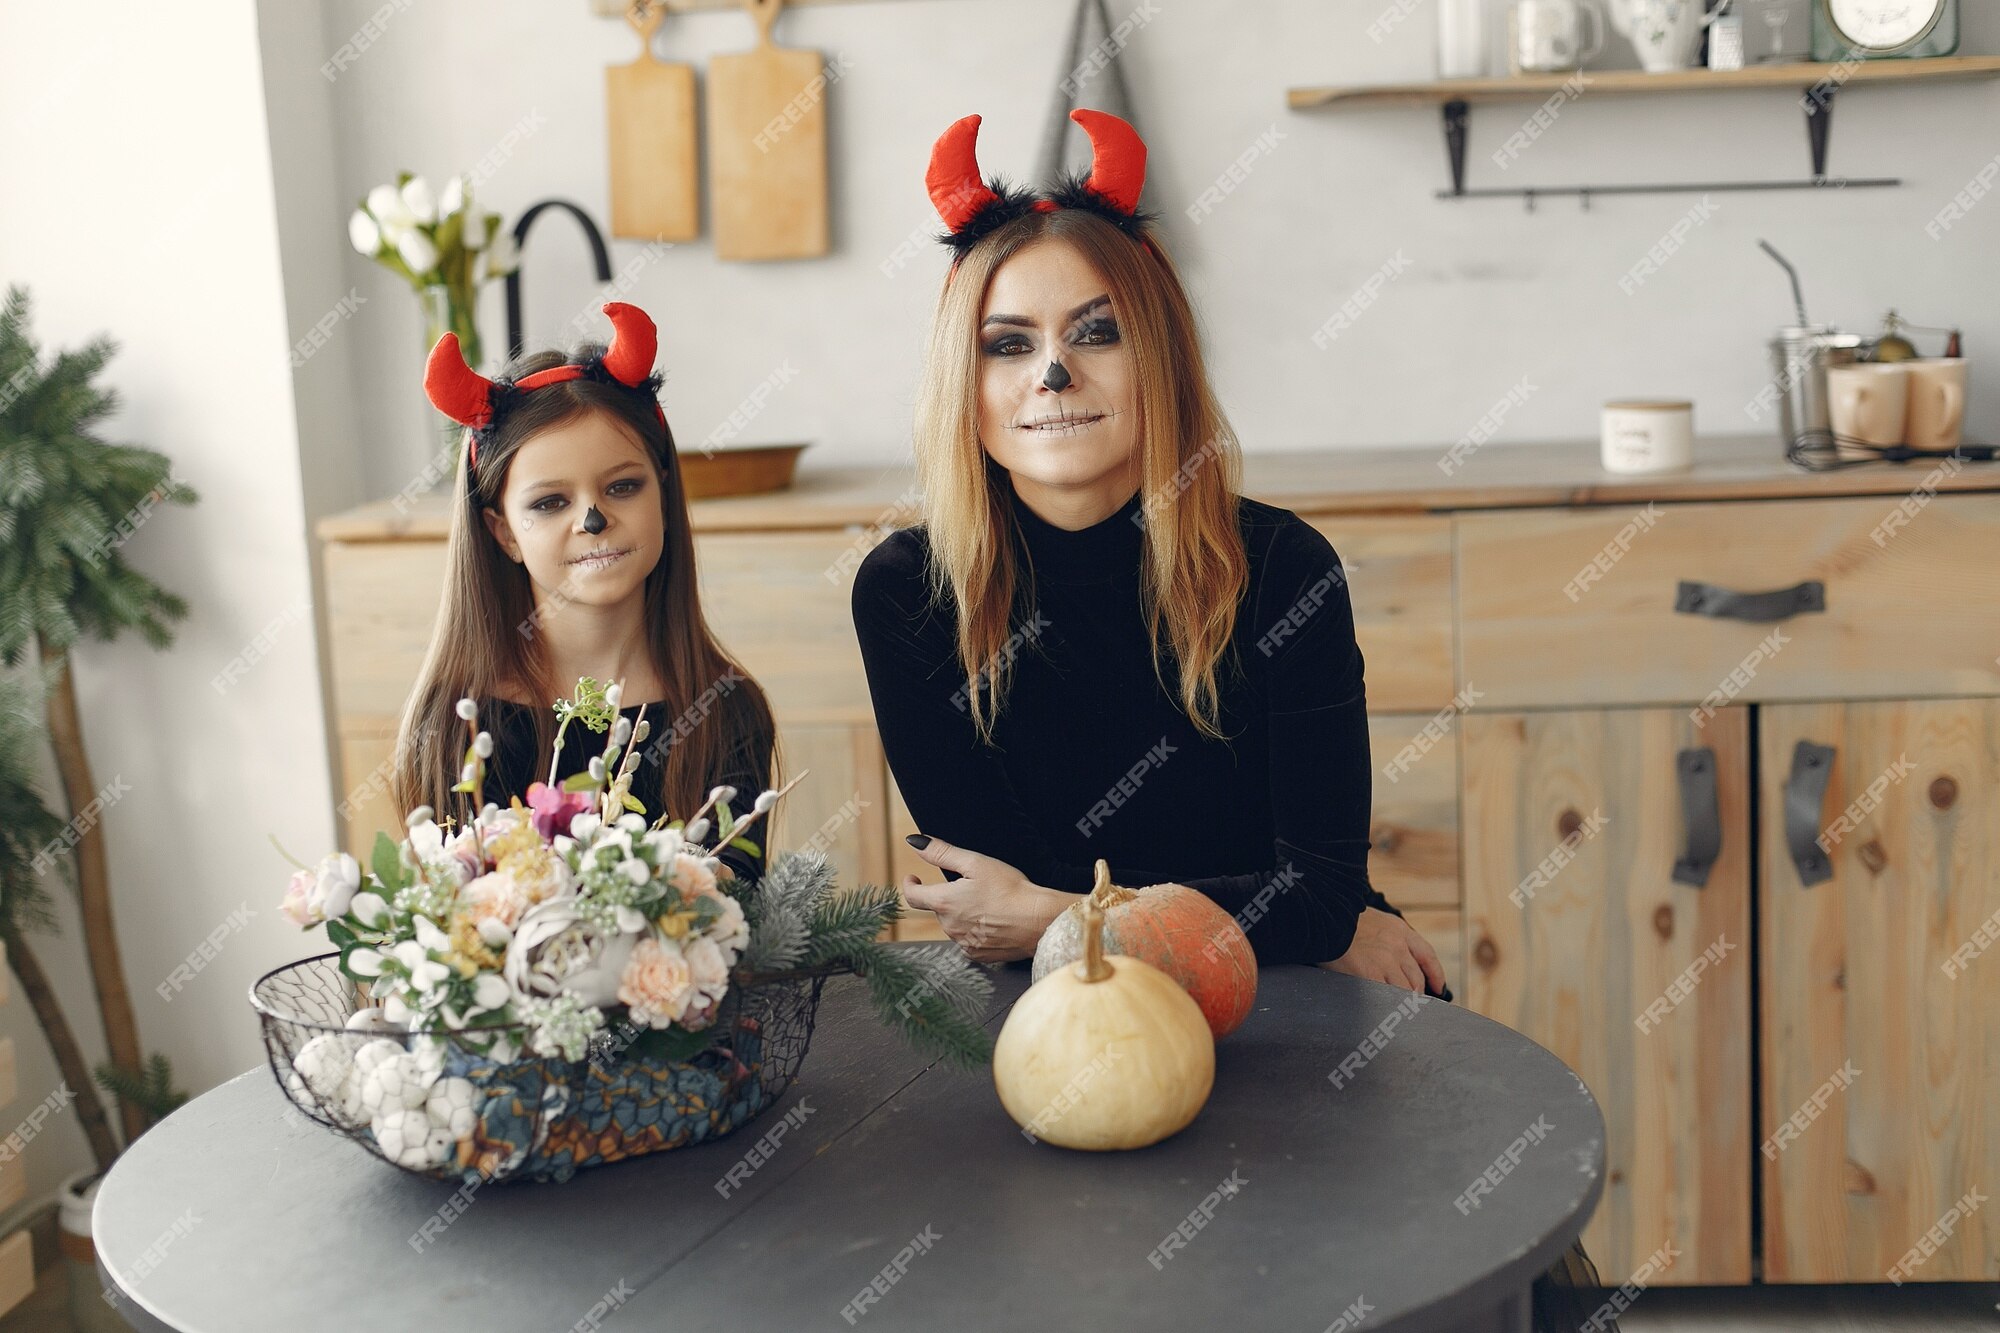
[{"x": 1107, "y": 1053}]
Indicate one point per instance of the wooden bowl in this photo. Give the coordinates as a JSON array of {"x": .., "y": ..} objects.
[{"x": 766, "y": 467}]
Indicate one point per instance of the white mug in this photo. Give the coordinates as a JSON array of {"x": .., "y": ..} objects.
[
  {"x": 1867, "y": 401},
  {"x": 1935, "y": 412},
  {"x": 1647, "y": 435},
  {"x": 1547, "y": 36}
]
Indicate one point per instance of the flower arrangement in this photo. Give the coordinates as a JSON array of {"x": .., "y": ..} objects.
[
  {"x": 567, "y": 927},
  {"x": 437, "y": 243}
]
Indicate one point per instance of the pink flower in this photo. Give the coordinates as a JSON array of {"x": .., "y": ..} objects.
[
  {"x": 690, "y": 877},
  {"x": 656, "y": 983},
  {"x": 554, "y": 808},
  {"x": 494, "y": 896},
  {"x": 297, "y": 906}
]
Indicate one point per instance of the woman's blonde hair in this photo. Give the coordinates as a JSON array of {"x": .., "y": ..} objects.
[
  {"x": 486, "y": 626},
  {"x": 1195, "y": 569}
]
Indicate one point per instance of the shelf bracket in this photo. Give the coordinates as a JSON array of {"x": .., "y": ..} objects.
[
  {"x": 1457, "y": 115},
  {"x": 1819, "y": 123}
]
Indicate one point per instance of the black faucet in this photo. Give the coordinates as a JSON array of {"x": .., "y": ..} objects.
[{"x": 513, "y": 280}]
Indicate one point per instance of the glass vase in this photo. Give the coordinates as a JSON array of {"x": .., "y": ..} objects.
[{"x": 441, "y": 437}]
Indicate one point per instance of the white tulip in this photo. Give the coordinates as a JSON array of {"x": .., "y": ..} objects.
[
  {"x": 417, "y": 251},
  {"x": 452, "y": 197},
  {"x": 418, "y": 199},
  {"x": 386, "y": 203},
  {"x": 472, "y": 231},
  {"x": 365, "y": 233},
  {"x": 502, "y": 257}
]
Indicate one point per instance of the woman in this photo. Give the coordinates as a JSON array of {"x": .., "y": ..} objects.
[
  {"x": 1095, "y": 646},
  {"x": 1129, "y": 682},
  {"x": 570, "y": 555}
]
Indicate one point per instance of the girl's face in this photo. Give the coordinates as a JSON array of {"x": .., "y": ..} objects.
[
  {"x": 1056, "y": 384},
  {"x": 552, "y": 483}
]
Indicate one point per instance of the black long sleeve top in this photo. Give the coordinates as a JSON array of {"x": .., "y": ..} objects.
[
  {"x": 515, "y": 766},
  {"x": 1093, "y": 758}
]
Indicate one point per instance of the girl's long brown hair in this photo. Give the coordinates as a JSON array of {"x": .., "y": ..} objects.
[
  {"x": 1190, "y": 469},
  {"x": 487, "y": 627}
]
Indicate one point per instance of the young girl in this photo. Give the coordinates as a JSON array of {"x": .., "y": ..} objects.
[{"x": 570, "y": 555}]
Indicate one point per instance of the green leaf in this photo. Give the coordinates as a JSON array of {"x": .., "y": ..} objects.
[
  {"x": 664, "y": 1045},
  {"x": 747, "y": 846},
  {"x": 338, "y": 934},
  {"x": 387, "y": 862},
  {"x": 580, "y": 782}
]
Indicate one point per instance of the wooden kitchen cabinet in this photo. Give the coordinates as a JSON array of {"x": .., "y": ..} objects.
[
  {"x": 1580, "y": 937},
  {"x": 1877, "y": 995}
]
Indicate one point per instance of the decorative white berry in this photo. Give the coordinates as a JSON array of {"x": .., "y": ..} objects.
[
  {"x": 482, "y": 745},
  {"x": 370, "y": 1020},
  {"x": 450, "y": 1107},
  {"x": 400, "y": 1081},
  {"x": 408, "y": 1138},
  {"x": 722, "y": 793},
  {"x": 613, "y": 694},
  {"x": 468, "y": 709},
  {"x": 421, "y": 815},
  {"x": 323, "y": 1072},
  {"x": 765, "y": 800}
]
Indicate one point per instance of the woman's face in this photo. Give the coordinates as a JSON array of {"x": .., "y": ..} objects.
[
  {"x": 552, "y": 483},
  {"x": 1056, "y": 393}
]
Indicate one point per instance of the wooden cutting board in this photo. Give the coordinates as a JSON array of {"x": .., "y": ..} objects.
[
  {"x": 767, "y": 147},
  {"x": 655, "y": 180}
]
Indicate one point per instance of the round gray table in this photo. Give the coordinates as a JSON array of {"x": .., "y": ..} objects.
[{"x": 1451, "y": 1163}]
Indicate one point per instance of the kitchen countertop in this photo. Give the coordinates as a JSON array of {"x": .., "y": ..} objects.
[{"x": 1358, "y": 481}]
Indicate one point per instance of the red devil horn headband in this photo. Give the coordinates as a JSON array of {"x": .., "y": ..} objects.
[
  {"x": 469, "y": 398},
  {"x": 973, "y": 209}
]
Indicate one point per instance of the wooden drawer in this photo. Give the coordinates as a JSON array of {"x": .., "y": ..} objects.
[
  {"x": 1413, "y": 833},
  {"x": 381, "y": 604},
  {"x": 1566, "y": 608},
  {"x": 1399, "y": 580},
  {"x": 779, "y": 602}
]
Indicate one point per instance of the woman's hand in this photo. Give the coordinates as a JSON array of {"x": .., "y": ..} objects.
[
  {"x": 1388, "y": 948},
  {"x": 994, "y": 912}
]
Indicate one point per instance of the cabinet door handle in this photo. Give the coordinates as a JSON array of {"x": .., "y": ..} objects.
[
  {"x": 1706, "y": 599},
  {"x": 1703, "y": 809},
  {"x": 1805, "y": 791}
]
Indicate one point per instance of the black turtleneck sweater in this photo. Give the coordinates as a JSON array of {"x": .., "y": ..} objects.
[
  {"x": 515, "y": 766},
  {"x": 1093, "y": 758}
]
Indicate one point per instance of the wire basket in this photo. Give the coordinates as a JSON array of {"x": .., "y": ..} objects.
[{"x": 450, "y": 1112}]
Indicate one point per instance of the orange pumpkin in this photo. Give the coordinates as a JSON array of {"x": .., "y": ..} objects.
[{"x": 1179, "y": 930}]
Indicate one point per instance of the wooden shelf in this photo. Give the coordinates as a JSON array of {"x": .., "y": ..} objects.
[{"x": 1632, "y": 82}]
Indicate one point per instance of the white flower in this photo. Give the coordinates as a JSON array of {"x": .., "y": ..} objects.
[
  {"x": 632, "y": 823},
  {"x": 553, "y": 950},
  {"x": 365, "y": 233},
  {"x": 425, "y": 975},
  {"x": 429, "y": 935},
  {"x": 730, "y": 931},
  {"x": 386, "y": 203},
  {"x": 418, "y": 816},
  {"x": 494, "y": 933},
  {"x": 426, "y": 841},
  {"x": 338, "y": 877},
  {"x": 418, "y": 199},
  {"x": 472, "y": 231},
  {"x": 364, "y": 962},
  {"x": 502, "y": 257},
  {"x": 581, "y": 827},
  {"x": 708, "y": 966},
  {"x": 369, "y": 909},
  {"x": 635, "y": 870},
  {"x": 630, "y": 919},
  {"x": 369, "y": 1020},
  {"x": 418, "y": 252},
  {"x": 452, "y": 197},
  {"x": 490, "y": 992},
  {"x": 396, "y": 1010}
]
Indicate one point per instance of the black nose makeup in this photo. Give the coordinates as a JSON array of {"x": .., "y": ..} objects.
[
  {"x": 593, "y": 522},
  {"x": 1057, "y": 378}
]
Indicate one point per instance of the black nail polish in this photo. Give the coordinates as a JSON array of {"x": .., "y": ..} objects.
[{"x": 918, "y": 840}]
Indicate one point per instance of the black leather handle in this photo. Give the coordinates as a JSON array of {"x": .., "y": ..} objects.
[
  {"x": 1805, "y": 791},
  {"x": 1706, "y": 599},
  {"x": 1703, "y": 809}
]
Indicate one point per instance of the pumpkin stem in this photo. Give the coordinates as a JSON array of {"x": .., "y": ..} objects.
[
  {"x": 1106, "y": 894},
  {"x": 1093, "y": 967}
]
